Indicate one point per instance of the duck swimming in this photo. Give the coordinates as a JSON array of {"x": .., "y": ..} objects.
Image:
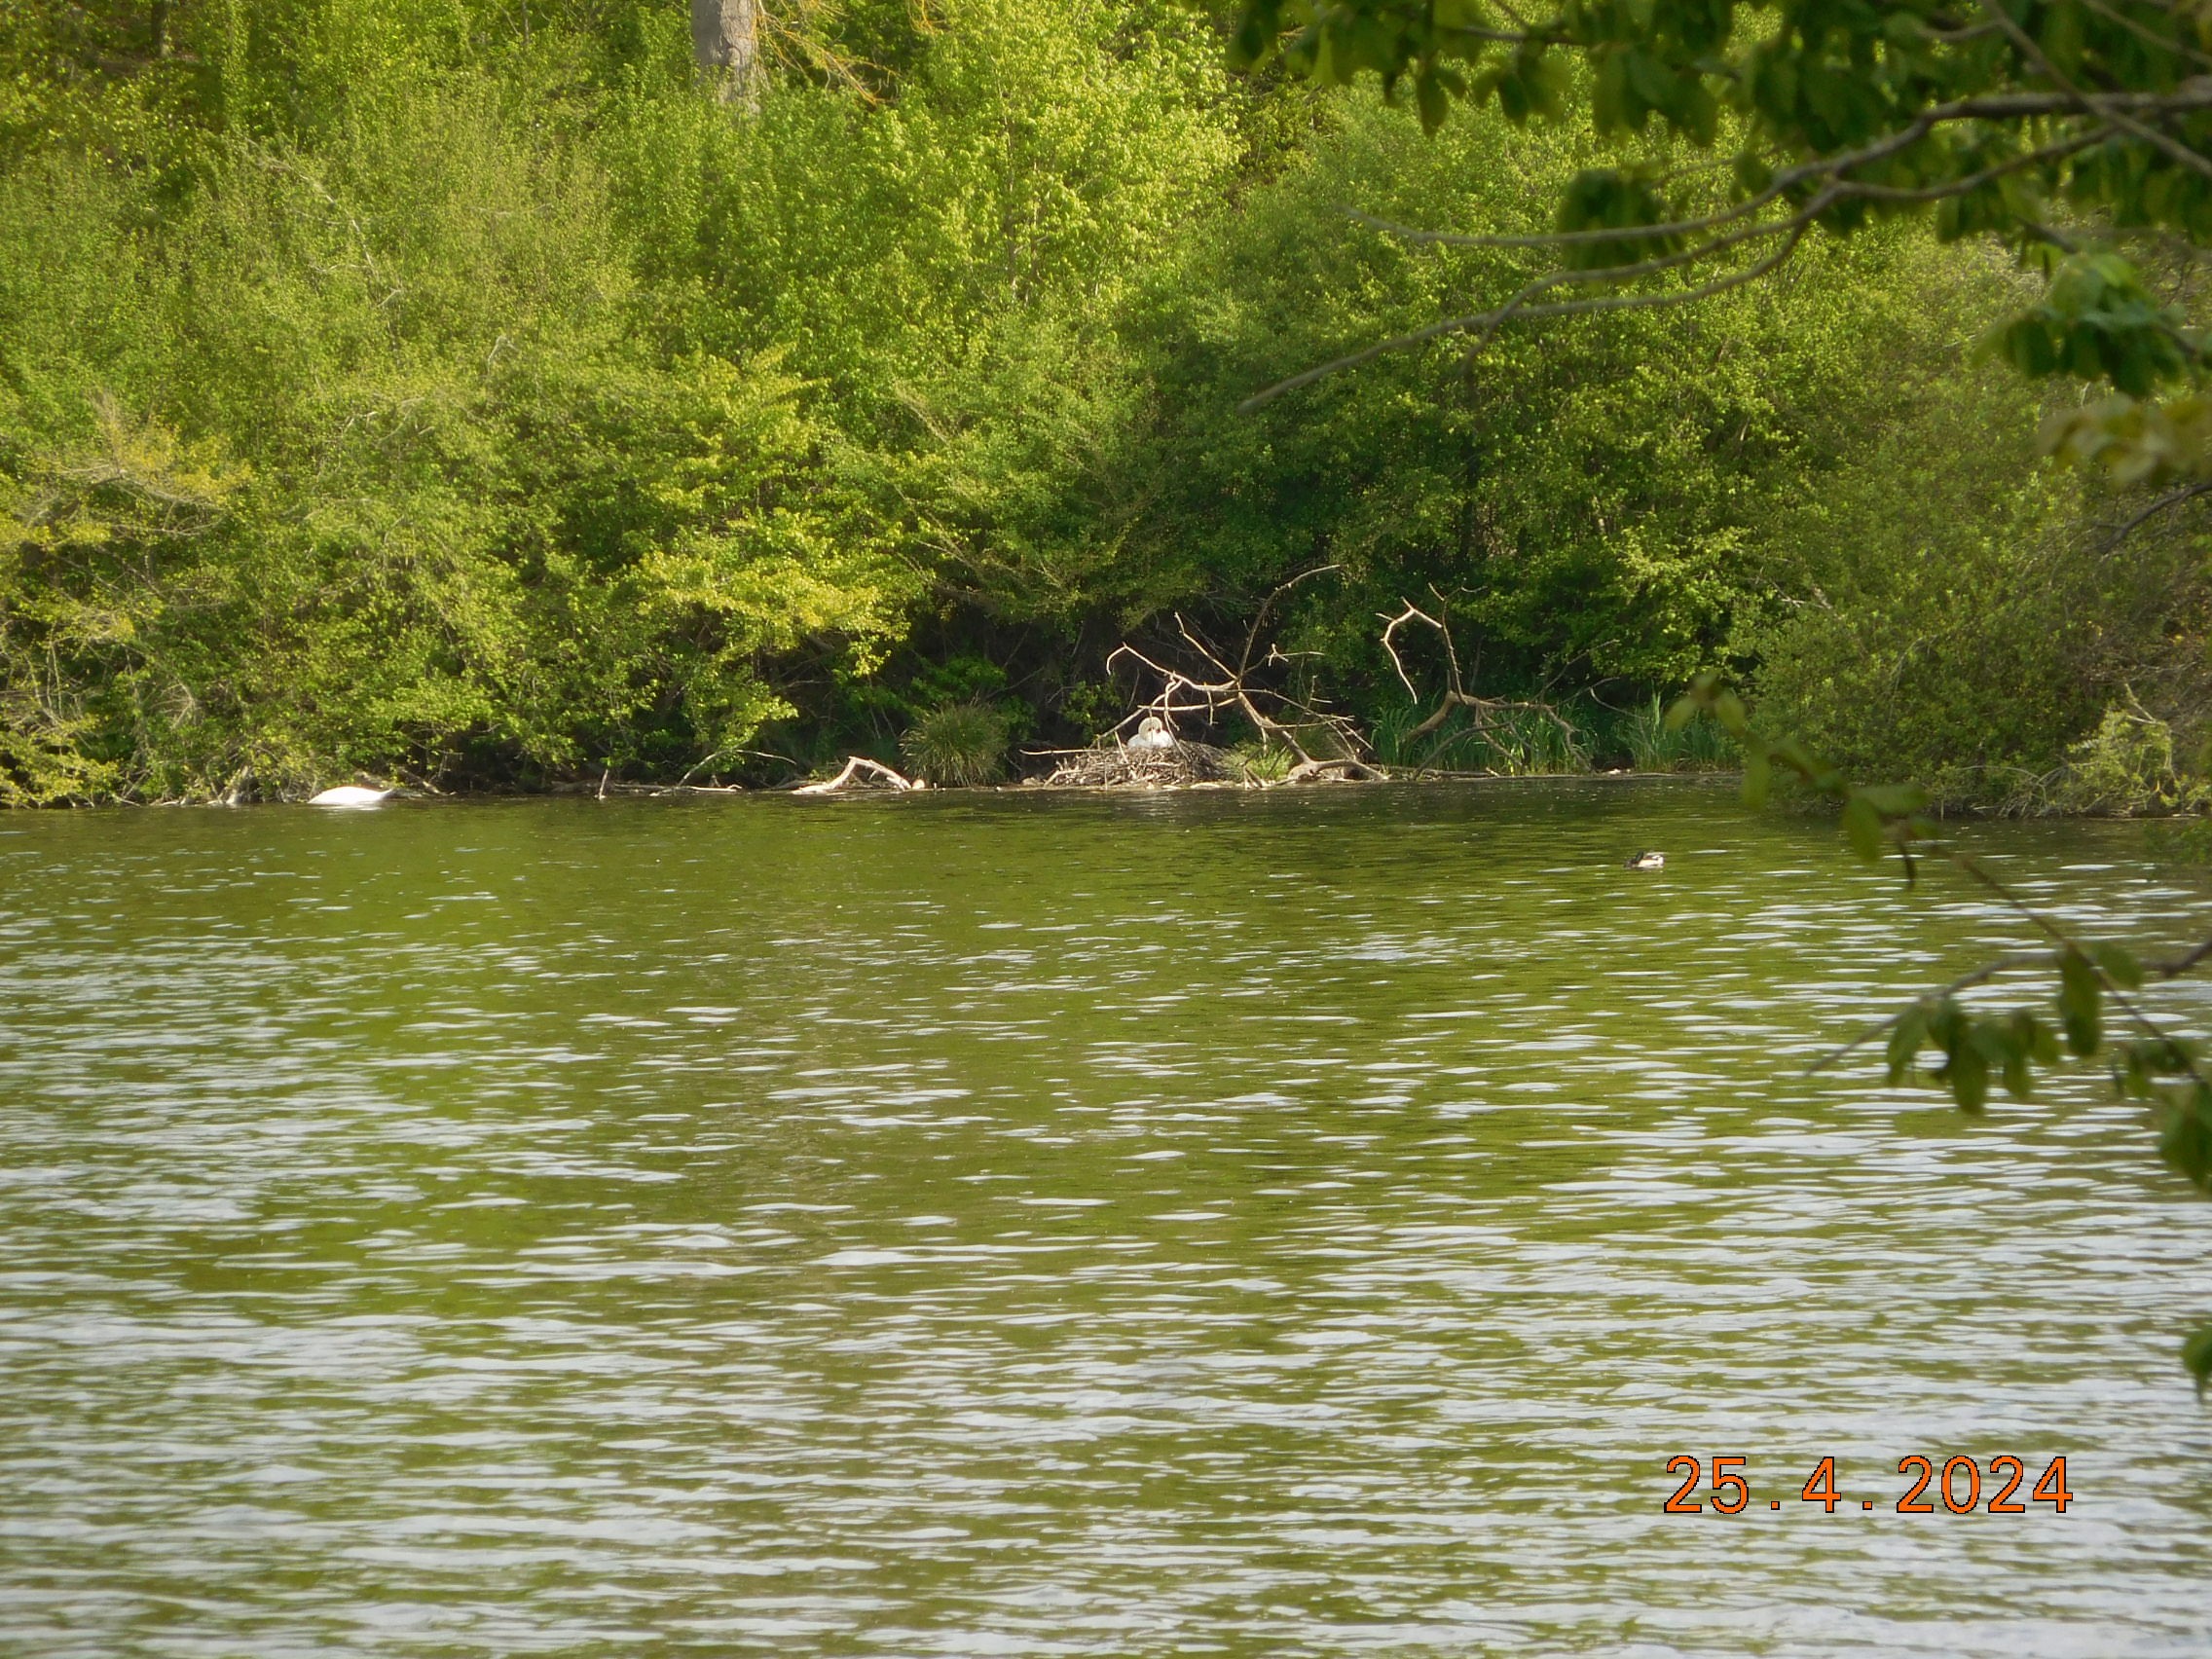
[{"x": 1648, "y": 861}]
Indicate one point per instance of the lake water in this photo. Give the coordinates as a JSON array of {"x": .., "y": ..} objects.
[{"x": 1284, "y": 1224}]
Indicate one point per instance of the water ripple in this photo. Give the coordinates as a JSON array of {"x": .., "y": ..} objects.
[{"x": 1284, "y": 1225}]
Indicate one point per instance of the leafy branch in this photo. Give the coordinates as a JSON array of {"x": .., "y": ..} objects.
[
  {"x": 2056, "y": 126},
  {"x": 2148, "y": 1061}
]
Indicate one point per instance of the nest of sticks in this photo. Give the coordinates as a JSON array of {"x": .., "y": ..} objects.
[{"x": 1118, "y": 767}]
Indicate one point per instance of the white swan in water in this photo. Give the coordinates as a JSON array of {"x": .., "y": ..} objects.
[
  {"x": 349, "y": 794},
  {"x": 1153, "y": 733}
]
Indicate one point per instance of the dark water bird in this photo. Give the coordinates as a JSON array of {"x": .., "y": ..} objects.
[{"x": 1648, "y": 861}]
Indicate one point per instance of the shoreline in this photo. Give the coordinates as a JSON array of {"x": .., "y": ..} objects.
[
  {"x": 1701, "y": 777},
  {"x": 634, "y": 790}
]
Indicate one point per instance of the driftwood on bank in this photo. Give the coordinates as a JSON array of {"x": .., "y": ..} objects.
[
  {"x": 1339, "y": 769},
  {"x": 1183, "y": 767},
  {"x": 860, "y": 776}
]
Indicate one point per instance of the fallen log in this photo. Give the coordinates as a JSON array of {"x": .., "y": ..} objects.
[
  {"x": 1340, "y": 770},
  {"x": 862, "y": 775}
]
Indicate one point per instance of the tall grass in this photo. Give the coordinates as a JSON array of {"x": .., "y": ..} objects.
[
  {"x": 1698, "y": 747},
  {"x": 1575, "y": 736},
  {"x": 1512, "y": 743},
  {"x": 1258, "y": 761}
]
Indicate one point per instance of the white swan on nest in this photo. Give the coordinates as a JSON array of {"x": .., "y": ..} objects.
[
  {"x": 349, "y": 794},
  {"x": 1153, "y": 733}
]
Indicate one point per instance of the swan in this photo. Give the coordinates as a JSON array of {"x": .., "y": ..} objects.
[
  {"x": 1153, "y": 733},
  {"x": 349, "y": 794},
  {"x": 1648, "y": 861}
]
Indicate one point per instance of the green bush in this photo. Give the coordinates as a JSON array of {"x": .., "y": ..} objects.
[
  {"x": 473, "y": 403},
  {"x": 2125, "y": 766},
  {"x": 961, "y": 745},
  {"x": 2184, "y": 840}
]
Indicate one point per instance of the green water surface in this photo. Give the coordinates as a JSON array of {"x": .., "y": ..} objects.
[{"x": 1249, "y": 1224}]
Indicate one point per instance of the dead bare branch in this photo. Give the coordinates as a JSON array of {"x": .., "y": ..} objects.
[
  {"x": 1455, "y": 695},
  {"x": 860, "y": 773},
  {"x": 1277, "y": 716}
]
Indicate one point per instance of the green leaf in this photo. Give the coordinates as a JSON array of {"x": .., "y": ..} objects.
[
  {"x": 1864, "y": 825},
  {"x": 2186, "y": 1140},
  {"x": 2129, "y": 1076},
  {"x": 1944, "y": 1023},
  {"x": 1905, "y": 1038},
  {"x": 1798, "y": 757},
  {"x": 2132, "y": 1077},
  {"x": 1648, "y": 78},
  {"x": 1429, "y": 95},
  {"x": 1614, "y": 199},
  {"x": 2197, "y": 1357},
  {"x": 1968, "y": 1076},
  {"x": 2120, "y": 964},
  {"x": 1680, "y": 712},
  {"x": 1758, "y": 777},
  {"x": 2080, "y": 995},
  {"x": 2014, "y": 1043},
  {"x": 1895, "y": 801}
]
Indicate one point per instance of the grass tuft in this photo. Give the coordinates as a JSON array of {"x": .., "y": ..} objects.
[{"x": 960, "y": 745}]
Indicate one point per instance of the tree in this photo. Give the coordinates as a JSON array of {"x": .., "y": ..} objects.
[
  {"x": 2077, "y": 131},
  {"x": 726, "y": 43}
]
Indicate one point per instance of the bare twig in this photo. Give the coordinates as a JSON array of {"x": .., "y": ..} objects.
[
  {"x": 1220, "y": 687},
  {"x": 1260, "y": 616},
  {"x": 1726, "y": 229},
  {"x": 2065, "y": 941},
  {"x": 1486, "y": 324},
  {"x": 2171, "y": 499}
]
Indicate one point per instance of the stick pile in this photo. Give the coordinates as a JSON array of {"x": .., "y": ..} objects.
[{"x": 1117, "y": 767}]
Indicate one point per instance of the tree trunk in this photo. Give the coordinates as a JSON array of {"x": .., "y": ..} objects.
[{"x": 726, "y": 41}]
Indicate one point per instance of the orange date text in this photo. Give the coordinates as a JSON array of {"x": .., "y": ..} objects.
[{"x": 1959, "y": 1485}]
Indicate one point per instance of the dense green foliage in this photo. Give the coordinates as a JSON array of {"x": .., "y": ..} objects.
[
  {"x": 440, "y": 389},
  {"x": 1974, "y": 667},
  {"x": 2064, "y": 127},
  {"x": 2074, "y": 133}
]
